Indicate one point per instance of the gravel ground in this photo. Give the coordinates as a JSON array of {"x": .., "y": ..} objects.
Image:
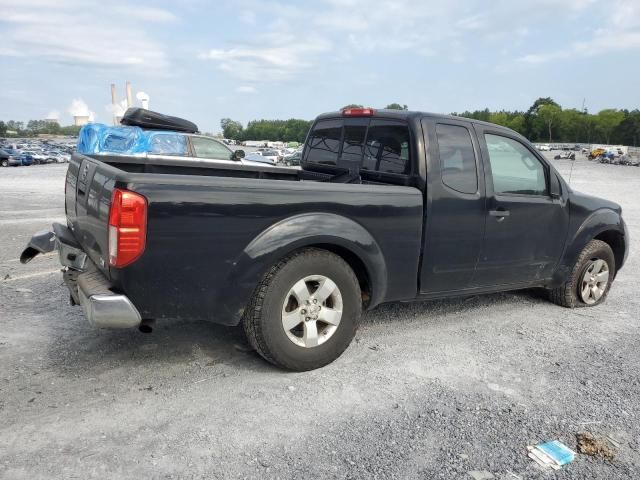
[{"x": 442, "y": 389}]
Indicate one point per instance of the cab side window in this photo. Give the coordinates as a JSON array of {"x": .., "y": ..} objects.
[
  {"x": 514, "y": 169},
  {"x": 457, "y": 158}
]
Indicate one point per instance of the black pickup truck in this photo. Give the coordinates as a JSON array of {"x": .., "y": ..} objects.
[{"x": 388, "y": 206}]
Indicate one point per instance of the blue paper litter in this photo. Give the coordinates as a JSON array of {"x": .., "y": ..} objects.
[
  {"x": 552, "y": 454},
  {"x": 558, "y": 451}
]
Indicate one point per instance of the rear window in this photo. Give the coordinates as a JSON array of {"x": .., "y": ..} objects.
[
  {"x": 377, "y": 145},
  {"x": 324, "y": 142},
  {"x": 355, "y": 131}
]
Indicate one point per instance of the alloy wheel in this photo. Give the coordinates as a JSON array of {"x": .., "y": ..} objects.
[
  {"x": 594, "y": 281},
  {"x": 312, "y": 311}
]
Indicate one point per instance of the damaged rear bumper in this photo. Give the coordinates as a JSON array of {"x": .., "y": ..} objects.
[
  {"x": 87, "y": 285},
  {"x": 102, "y": 307}
]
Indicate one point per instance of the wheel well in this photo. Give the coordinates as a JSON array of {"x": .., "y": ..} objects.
[
  {"x": 356, "y": 264},
  {"x": 616, "y": 241}
]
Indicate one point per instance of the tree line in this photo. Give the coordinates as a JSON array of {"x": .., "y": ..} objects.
[
  {"x": 292, "y": 130},
  {"x": 36, "y": 127},
  {"x": 544, "y": 121}
]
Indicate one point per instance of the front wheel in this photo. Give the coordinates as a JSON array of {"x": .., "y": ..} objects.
[
  {"x": 590, "y": 279},
  {"x": 305, "y": 312}
]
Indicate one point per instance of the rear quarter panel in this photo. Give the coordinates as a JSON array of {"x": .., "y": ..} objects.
[{"x": 210, "y": 240}]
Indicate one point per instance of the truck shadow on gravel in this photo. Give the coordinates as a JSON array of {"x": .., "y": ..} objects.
[
  {"x": 445, "y": 310},
  {"x": 173, "y": 344}
]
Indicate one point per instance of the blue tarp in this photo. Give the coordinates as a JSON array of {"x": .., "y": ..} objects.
[
  {"x": 99, "y": 138},
  {"x": 166, "y": 143}
]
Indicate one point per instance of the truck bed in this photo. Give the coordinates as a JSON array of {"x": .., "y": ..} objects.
[
  {"x": 172, "y": 166},
  {"x": 213, "y": 232}
]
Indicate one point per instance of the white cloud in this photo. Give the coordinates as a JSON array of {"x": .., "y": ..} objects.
[
  {"x": 473, "y": 22},
  {"x": 248, "y": 17},
  {"x": 79, "y": 108},
  {"x": 621, "y": 32},
  {"x": 291, "y": 39},
  {"x": 550, "y": 5},
  {"x": 146, "y": 14},
  {"x": 82, "y": 33},
  {"x": 279, "y": 56},
  {"x": 246, "y": 89},
  {"x": 626, "y": 15},
  {"x": 118, "y": 108}
]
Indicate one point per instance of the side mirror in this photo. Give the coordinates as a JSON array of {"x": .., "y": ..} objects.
[
  {"x": 237, "y": 155},
  {"x": 554, "y": 187}
]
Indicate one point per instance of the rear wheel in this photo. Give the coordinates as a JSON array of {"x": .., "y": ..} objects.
[
  {"x": 590, "y": 278},
  {"x": 5, "y": 163},
  {"x": 305, "y": 312}
]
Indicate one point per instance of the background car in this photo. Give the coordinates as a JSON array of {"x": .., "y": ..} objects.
[
  {"x": 293, "y": 159},
  {"x": 9, "y": 160},
  {"x": 272, "y": 155},
  {"x": 38, "y": 156},
  {"x": 58, "y": 157},
  {"x": 26, "y": 159},
  {"x": 595, "y": 153}
]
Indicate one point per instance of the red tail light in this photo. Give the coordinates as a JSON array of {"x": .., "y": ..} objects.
[
  {"x": 358, "y": 112},
  {"x": 127, "y": 227}
]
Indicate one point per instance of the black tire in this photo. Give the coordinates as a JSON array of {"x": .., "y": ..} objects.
[
  {"x": 262, "y": 319},
  {"x": 568, "y": 295},
  {"x": 5, "y": 163}
]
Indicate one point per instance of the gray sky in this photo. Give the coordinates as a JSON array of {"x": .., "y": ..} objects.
[{"x": 250, "y": 59}]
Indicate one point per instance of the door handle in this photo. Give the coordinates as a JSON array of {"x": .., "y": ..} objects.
[{"x": 500, "y": 214}]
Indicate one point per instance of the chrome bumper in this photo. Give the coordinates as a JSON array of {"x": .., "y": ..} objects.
[
  {"x": 109, "y": 311},
  {"x": 88, "y": 286},
  {"x": 102, "y": 307}
]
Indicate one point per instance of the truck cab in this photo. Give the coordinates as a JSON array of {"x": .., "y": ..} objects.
[{"x": 496, "y": 212}]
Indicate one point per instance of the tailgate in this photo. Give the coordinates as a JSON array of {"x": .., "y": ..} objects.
[{"x": 88, "y": 190}]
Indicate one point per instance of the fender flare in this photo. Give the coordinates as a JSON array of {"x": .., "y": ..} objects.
[
  {"x": 600, "y": 221},
  {"x": 294, "y": 233}
]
